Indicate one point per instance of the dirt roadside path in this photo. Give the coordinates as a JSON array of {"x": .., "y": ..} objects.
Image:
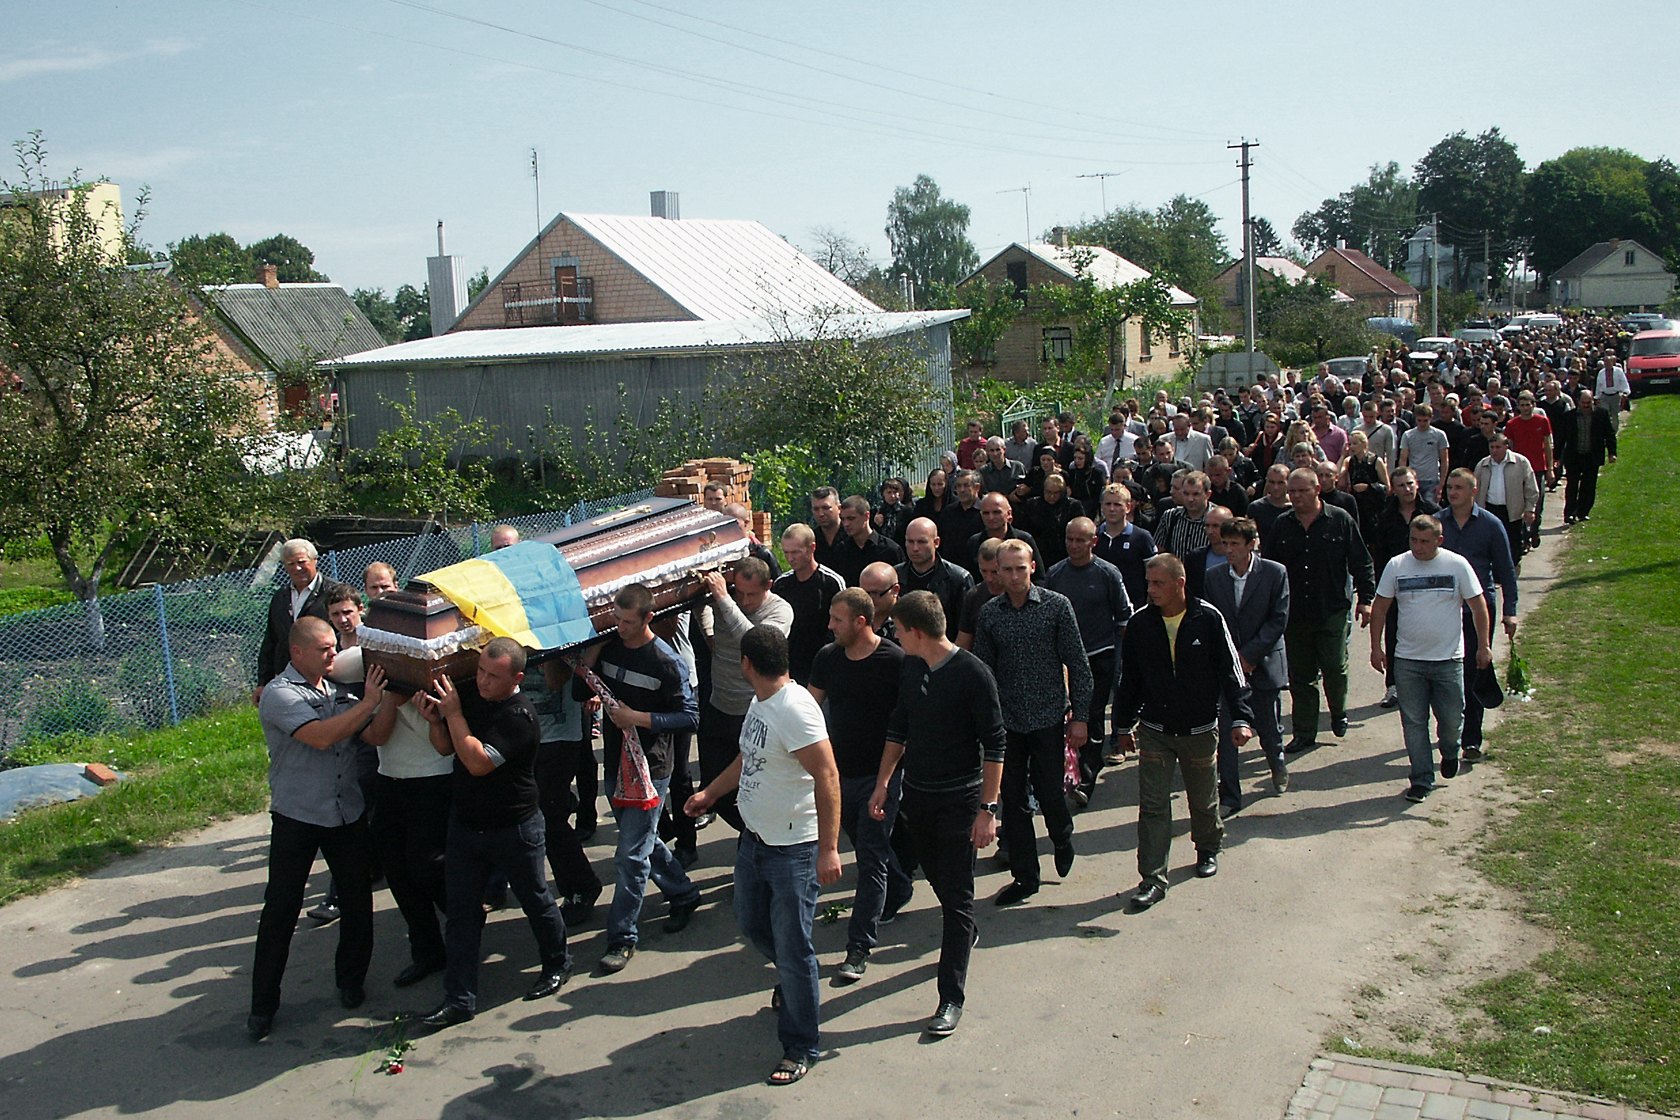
[{"x": 1337, "y": 905}]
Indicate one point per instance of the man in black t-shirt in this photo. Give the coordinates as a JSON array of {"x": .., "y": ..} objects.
[
  {"x": 494, "y": 824},
  {"x": 857, "y": 675},
  {"x": 808, "y": 587},
  {"x": 989, "y": 585},
  {"x": 947, "y": 730}
]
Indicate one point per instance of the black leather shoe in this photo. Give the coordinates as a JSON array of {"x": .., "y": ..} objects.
[
  {"x": 549, "y": 983},
  {"x": 681, "y": 914},
  {"x": 1449, "y": 767},
  {"x": 1299, "y": 746},
  {"x": 258, "y": 1026},
  {"x": 352, "y": 998},
  {"x": 1080, "y": 796},
  {"x": 1339, "y": 726},
  {"x": 1147, "y": 895},
  {"x": 577, "y": 908},
  {"x": 1228, "y": 810},
  {"x": 1207, "y": 865},
  {"x": 1064, "y": 859},
  {"x": 1015, "y": 892},
  {"x": 417, "y": 972},
  {"x": 449, "y": 1015},
  {"x": 945, "y": 1020}
]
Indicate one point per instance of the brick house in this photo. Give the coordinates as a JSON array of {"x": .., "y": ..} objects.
[
  {"x": 1031, "y": 346},
  {"x": 1371, "y": 285},
  {"x": 1229, "y": 282}
]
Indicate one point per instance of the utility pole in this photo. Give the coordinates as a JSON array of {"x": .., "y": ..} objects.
[
  {"x": 1026, "y": 200},
  {"x": 1435, "y": 274},
  {"x": 1487, "y": 270},
  {"x": 1248, "y": 245},
  {"x": 1102, "y": 178},
  {"x": 536, "y": 178}
]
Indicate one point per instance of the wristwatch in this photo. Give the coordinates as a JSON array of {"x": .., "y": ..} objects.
[{"x": 992, "y": 807}]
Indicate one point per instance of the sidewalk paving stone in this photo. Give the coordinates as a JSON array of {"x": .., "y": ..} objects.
[{"x": 1347, "y": 1087}]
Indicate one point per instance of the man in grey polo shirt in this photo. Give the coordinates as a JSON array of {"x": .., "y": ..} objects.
[{"x": 316, "y": 806}]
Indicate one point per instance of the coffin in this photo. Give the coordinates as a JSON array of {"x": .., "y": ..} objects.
[{"x": 420, "y": 633}]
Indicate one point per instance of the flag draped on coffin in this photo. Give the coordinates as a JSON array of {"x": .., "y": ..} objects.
[{"x": 527, "y": 592}]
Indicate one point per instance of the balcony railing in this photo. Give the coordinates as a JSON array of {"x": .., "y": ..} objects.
[{"x": 540, "y": 304}]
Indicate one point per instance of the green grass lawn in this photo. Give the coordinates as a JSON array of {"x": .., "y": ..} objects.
[
  {"x": 1597, "y": 858},
  {"x": 178, "y": 780}
]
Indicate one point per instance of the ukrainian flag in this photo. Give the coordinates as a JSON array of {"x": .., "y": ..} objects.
[{"x": 527, "y": 592}]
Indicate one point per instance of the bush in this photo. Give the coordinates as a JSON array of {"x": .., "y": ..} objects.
[
  {"x": 68, "y": 707},
  {"x": 141, "y": 680}
]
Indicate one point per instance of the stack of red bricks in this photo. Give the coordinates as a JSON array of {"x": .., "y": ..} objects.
[{"x": 689, "y": 481}]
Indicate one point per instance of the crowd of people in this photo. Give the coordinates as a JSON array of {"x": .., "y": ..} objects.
[{"x": 932, "y": 673}]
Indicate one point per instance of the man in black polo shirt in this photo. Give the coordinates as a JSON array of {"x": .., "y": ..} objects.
[
  {"x": 856, "y": 678},
  {"x": 494, "y": 824},
  {"x": 947, "y": 730}
]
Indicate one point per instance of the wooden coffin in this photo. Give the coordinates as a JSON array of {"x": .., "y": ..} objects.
[{"x": 664, "y": 543}]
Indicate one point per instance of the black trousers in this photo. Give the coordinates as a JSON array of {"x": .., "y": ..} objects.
[
  {"x": 1516, "y": 532},
  {"x": 1471, "y": 736},
  {"x": 409, "y": 834},
  {"x": 1032, "y": 758},
  {"x": 720, "y": 744},
  {"x": 473, "y": 858},
  {"x": 558, "y": 763},
  {"x": 1103, "y": 667},
  {"x": 675, "y": 826},
  {"x": 1581, "y": 488},
  {"x": 292, "y": 847},
  {"x": 941, "y": 826}
]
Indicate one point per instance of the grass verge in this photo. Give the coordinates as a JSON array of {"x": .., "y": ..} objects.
[
  {"x": 1594, "y": 846},
  {"x": 178, "y": 779}
]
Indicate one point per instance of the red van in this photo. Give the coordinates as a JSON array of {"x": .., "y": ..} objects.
[{"x": 1653, "y": 361}]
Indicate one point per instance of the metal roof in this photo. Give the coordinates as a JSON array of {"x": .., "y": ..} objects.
[
  {"x": 523, "y": 344},
  {"x": 1286, "y": 270},
  {"x": 1108, "y": 268},
  {"x": 1381, "y": 276},
  {"x": 1581, "y": 263},
  {"x": 294, "y": 322}
]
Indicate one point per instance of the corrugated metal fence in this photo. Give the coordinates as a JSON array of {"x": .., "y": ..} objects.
[{"x": 154, "y": 657}]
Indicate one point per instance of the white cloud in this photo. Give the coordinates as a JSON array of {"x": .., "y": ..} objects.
[{"x": 80, "y": 59}]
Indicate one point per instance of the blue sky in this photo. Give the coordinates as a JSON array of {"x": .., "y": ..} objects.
[{"x": 356, "y": 125}]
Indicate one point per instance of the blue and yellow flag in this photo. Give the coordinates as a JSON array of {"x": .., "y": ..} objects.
[{"x": 527, "y": 592}]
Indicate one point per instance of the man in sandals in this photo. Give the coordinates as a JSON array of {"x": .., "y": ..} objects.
[{"x": 789, "y": 800}]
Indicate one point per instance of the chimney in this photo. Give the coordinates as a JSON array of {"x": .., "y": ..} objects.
[
  {"x": 268, "y": 275},
  {"x": 664, "y": 204},
  {"x": 1059, "y": 236},
  {"x": 1341, "y": 243},
  {"x": 446, "y": 284}
]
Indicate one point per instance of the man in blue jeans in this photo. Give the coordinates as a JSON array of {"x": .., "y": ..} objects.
[
  {"x": 651, "y": 698},
  {"x": 857, "y": 676},
  {"x": 789, "y": 800},
  {"x": 1430, "y": 584}
]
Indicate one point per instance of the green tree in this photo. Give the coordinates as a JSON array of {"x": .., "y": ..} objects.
[
  {"x": 419, "y": 465},
  {"x": 293, "y": 260},
  {"x": 1100, "y": 316},
  {"x": 414, "y": 311},
  {"x": 476, "y": 283},
  {"x": 1179, "y": 241},
  {"x": 929, "y": 236},
  {"x": 992, "y": 310},
  {"x": 128, "y": 421},
  {"x": 1267, "y": 243},
  {"x": 380, "y": 311},
  {"x": 863, "y": 402},
  {"x": 1475, "y": 185},
  {"x": 213, "y": 258},
  {"x": 1588, "y": 195},
  {"x": 1376, "y": 215},
  {"x": 1304, "y": 322}
]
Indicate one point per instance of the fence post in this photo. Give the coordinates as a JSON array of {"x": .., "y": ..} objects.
[
  {"x": 168, "y": 658},
  {"x": 474, "y": 528},
  {"x": 332, "y": 566}
]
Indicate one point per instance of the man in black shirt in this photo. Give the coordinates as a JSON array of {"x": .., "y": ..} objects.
[
  {"x": 990, "y": 584},
  {"x": 808, "y": 587},
  {"x": 924, "y": 569},
  {"x": 858, "y": 676},
  {"x": 947, "y": 730},
  {"x": 859, "y": 546},
  {"x": 494, "y": 824}
]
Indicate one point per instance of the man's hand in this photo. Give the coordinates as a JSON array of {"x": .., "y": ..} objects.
[
  {"x": 715, "y": 585},
  {"x": 1378, "y": 661},
  {"x": 1484, "y": 657},
  {"x": 1247, "y": 665},
  {"x": 1125, "y": 742},
  {"x": 1510, "y": 622},
  {"x": 698, "y": 803},
  {"x": 1241, "y": 735},
  {"x": 445, "y": 698},
  {"x": 256, "y": 695},
  {"x": 1530, "y": 517},
  {"x": 1077, "y": 733},
  {"x": 373, "y": 685},
  {"x": 623, "y": 716},
  {"x": 828, "y": 867},
  {"x": 1363, "y": 610},
  {"x": 984, "y": 831},
  {"x": 878, "y": 804}
]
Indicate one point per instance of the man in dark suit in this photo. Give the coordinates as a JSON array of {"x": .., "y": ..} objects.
[
  {"x": 305, "y": 594},
  {"x": 1584, "y": 439},
  {"x": 1253, "y": 595}
]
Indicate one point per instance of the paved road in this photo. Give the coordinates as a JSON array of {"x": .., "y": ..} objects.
[{"x": 128, "y": 990}]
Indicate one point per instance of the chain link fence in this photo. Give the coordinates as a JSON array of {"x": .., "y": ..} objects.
[{"x": 154, "y": 657}]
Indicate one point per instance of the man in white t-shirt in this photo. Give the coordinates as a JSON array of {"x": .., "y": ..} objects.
[
  {"x": 788, "y": 794},
  {"x": 1432, "y": 585}
]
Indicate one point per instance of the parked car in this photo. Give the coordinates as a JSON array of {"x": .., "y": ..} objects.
[
  {"x": 1348, "y": 369},
  {"x": 1636, "y": 321},
  {"x": 1476, "y": 334},
  {"x": 1654, "y": 361},
  {"x": 1403, "y": 329}
]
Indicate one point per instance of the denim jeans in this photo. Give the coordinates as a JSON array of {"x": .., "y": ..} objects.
[
  {"x": 642, "y": 855},
  {"x": 775, "y": 904},
  {"x": 292, "y": 845},
  {"x": 1194, "y": 756},
  {"x": 472, "y": 858},
  {"x": 1426, "y": 686},
  {"x": 879, "y": 876}
]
